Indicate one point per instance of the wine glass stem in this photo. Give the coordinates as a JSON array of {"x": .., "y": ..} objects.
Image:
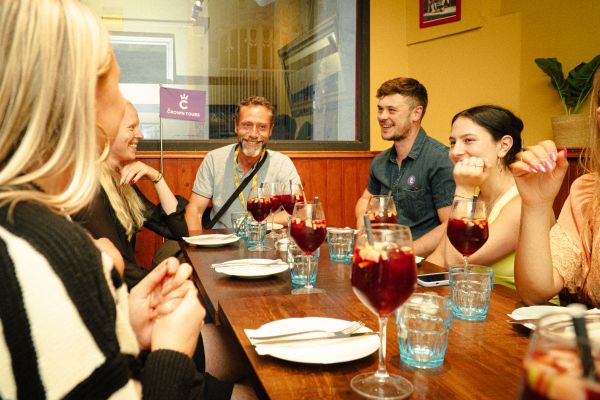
[
  {"x": 308, "y": 285},
  {"x": 466, "y": 260},
  {"x": 381, "y": 369},
  {"x": 261, "y": 235}
]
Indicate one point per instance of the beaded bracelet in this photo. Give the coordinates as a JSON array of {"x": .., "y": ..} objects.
[{"x": 160, "y": 176}]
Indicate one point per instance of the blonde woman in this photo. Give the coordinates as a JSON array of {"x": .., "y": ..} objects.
[
  {"x": 560, "y": 256},
  {"x": 69, "y": 329},
  {"x": 120, "y": 209}
]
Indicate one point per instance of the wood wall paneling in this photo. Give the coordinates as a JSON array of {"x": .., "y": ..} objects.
[{"x": 337, "y": 178}]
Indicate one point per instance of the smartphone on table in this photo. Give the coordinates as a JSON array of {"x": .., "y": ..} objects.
[{"x": 435, "y": 279}]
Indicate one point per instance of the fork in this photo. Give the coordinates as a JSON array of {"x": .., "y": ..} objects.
[{"x": 353, "y": 327}]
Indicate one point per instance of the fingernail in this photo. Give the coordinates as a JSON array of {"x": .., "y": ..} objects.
[
  {"x": 531, "y": 169},
  {"x": 132, "y": 181},
  {"x": 540, "y": 167},
  {"x": 548, "y": 164},
  {"x": 564, "y": 150},
  {"x": 554, "y": 156}
]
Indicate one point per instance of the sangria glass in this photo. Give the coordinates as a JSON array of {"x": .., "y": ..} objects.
[
  {"x": 290, "y": 194},
  {"x": 552, "y": 367},
  {"x": 308, "y": 228},
  {"x": 381, "y": 209},
  {"x": 275, "y": 189},
  {"x": 468, "y": 227},
  {"x": 384, "y": 274},
  {"x": 259, "y": 206}
]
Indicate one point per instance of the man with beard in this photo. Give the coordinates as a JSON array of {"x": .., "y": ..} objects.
[
  {"x": 416, "y": 170},
  {"x": 224, "y": 169}
]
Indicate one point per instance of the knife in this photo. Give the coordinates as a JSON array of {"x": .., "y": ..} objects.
[{"x": 286, "y": 341}]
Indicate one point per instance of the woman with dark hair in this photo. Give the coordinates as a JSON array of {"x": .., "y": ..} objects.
[{"x": 483, "y": 143}]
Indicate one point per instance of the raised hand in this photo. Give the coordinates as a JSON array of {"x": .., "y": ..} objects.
[
  {"x": 539, "y": 173},
  {"x": 133, "y": 172},
  {"x": 471, "y": 172}
]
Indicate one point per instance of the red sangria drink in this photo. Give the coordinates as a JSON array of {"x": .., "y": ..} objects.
[
  {"x": 260, "y": 208},
  {"x": 556, "y": 374},
  {"x": 308, "y": 234},
  {"x": 466, "y": 235},
  {"x": 288, "y": 201},
  {"x": 380, "y": 217},
  {"x": 383, "y": 279},
  {"x": 467, "y": 226},
  {"x": 275, "y": 202},
  {"x": 553, "y": 366},
  {"x": 384, "y": 274},
  {"x": 308, "y": 228}
]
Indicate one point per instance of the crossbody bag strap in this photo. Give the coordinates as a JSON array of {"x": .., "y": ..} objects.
[{"x": 235, "y": 194}]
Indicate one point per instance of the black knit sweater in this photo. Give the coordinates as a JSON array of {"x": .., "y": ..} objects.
[{"x": 66, "y": 332}]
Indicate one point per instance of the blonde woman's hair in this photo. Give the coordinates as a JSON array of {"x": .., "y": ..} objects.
[
  {"x": 591, "y": 233},
  {"x": 52, "y": 54},
  {"x": 125, "y": 202}
]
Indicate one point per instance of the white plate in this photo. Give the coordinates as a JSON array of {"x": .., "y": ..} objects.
[
  {"x": 212, "y": 240},
  {"x": 275, "y": 226},
  {"x": 535, "y": 312},
  {"x": 326, "y": 351},
  {"x": 252, "y": 270}
]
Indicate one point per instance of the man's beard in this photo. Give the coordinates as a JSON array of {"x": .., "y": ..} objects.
[{"x": 251, "y": 151}]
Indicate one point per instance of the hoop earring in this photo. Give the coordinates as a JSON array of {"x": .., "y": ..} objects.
[
  {"x": 104, "y": 154},
  {"x": 500, "y": 165}
]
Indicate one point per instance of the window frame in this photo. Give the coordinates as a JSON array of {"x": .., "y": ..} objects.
[{"x": 362, "y": 104}]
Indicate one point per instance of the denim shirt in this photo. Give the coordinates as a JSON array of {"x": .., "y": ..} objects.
[{"x": 422, "y": 185}]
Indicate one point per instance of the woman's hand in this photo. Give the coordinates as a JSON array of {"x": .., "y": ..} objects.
[
  {"x": 179, "y": 329},
  {"x": 470, "y": 173},
  {"x": 133, "y": 172},
  {"x": 539, "y": 173},
  {"x": 158, "y": 294}
]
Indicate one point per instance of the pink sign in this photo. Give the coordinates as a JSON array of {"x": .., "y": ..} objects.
[{"x": 182, "y": 104}]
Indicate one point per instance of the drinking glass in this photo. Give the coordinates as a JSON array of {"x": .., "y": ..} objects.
[
  {"x": 553, "y": 368},
  {"x": 468, "y": 227},
  {"x": 384, "y": 274},
  {"x": 308, "y": 229},
  {"x": 259, "y": 206},
  {"x": 275, "y": 189},
  {"x": 290, "y": 194},
  {"x": 381, "y": 209}
]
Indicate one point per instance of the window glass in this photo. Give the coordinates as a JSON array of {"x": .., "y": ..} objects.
[{"x": 299, "y": 54}]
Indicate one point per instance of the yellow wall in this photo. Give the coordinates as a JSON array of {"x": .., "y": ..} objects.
[{"x": 485, "y": 58}]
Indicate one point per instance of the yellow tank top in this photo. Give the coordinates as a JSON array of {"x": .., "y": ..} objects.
[{"x": 504, "y": 269}]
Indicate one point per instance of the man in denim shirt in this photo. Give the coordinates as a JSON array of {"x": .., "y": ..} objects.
[{"x": 416, "y": 170}]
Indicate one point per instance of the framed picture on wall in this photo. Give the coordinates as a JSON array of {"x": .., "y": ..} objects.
[{"x": 436, "y": 12}]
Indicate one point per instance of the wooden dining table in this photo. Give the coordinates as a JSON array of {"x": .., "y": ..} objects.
[{"x": 483, "y": 359}]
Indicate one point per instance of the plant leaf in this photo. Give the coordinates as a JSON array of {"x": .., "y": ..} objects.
[
  {"x": 553, "y": 68},
  {"x": 580, "y": 81}
]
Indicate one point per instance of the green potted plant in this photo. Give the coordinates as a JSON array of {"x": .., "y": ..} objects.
[{"x": 572, "y": 128}]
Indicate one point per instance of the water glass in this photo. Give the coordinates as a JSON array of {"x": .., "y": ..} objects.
[
  {"x": 423, "y": 323},
  {"x": 299, "y": 265},
  {"x": 255, "y": 232},
  {"x": 238, "y": 223},
  {"x": 470, "y": 290},
  {"x": 341, "y": 243}
]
